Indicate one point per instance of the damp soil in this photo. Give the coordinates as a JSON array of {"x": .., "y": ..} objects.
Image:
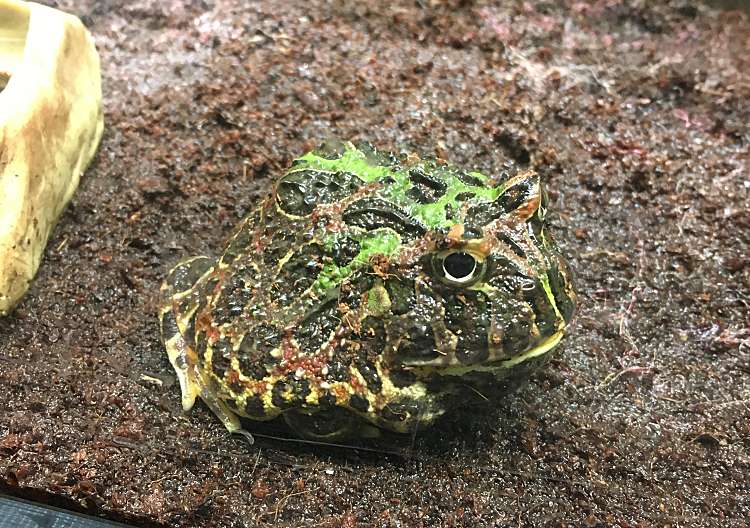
[{"x": 636, "y": 114}]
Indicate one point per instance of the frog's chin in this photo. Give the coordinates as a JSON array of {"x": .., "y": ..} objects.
[{"x": 501, "y": 368}]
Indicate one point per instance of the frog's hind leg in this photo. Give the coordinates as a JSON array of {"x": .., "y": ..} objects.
[
  {"x": 182, "y": 358},
  {"x": 174, "y": 315},
  {"x": 194, "y": 384},
  {"x": 173, "y": 318}
]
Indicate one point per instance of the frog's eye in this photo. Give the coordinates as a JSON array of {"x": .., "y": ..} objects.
[{"x": 459, "y": 268}]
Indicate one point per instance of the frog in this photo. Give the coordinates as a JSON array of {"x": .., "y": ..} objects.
[{"x": 368, "y": 292}]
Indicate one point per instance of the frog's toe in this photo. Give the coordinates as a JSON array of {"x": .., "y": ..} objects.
[{"x": 222, "y": 411}]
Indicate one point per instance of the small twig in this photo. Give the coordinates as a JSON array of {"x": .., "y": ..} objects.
[
  {"x": 255, "y": 466},
  {"x": 611, "y": 378},
  {"x": 286, "y": 498}
]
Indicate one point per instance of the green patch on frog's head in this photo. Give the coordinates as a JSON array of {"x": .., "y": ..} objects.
[
  {"x": 367, "y": 204},
  {"x": 367, "y": 246},
  {"x": 421, "y": 195}
]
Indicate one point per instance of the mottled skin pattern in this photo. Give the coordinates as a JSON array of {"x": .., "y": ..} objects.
[{"x": 369, "y": 288}]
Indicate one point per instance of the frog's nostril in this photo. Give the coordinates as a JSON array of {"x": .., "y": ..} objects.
[{"x": 459, "y": 266}]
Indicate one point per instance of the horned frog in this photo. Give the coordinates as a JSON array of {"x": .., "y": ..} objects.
[{"x": 369, "y": 289}]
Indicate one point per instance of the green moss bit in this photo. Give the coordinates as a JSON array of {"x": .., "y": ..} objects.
[{"x": 379, "y": 242}]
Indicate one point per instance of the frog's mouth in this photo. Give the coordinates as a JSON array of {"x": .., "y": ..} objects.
[{"x": 500, "y": 368}]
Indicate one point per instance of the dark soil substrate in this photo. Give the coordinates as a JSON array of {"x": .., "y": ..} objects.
[{"x": 637, "y": 118}]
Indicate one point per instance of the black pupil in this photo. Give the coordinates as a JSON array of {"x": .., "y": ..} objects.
[{"x": 459, "y": 265}]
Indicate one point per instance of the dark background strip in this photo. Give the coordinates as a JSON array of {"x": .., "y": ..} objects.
[{"x": 15, "y": 513}]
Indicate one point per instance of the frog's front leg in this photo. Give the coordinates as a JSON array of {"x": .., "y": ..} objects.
[{"x": 175, "y": 318}]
